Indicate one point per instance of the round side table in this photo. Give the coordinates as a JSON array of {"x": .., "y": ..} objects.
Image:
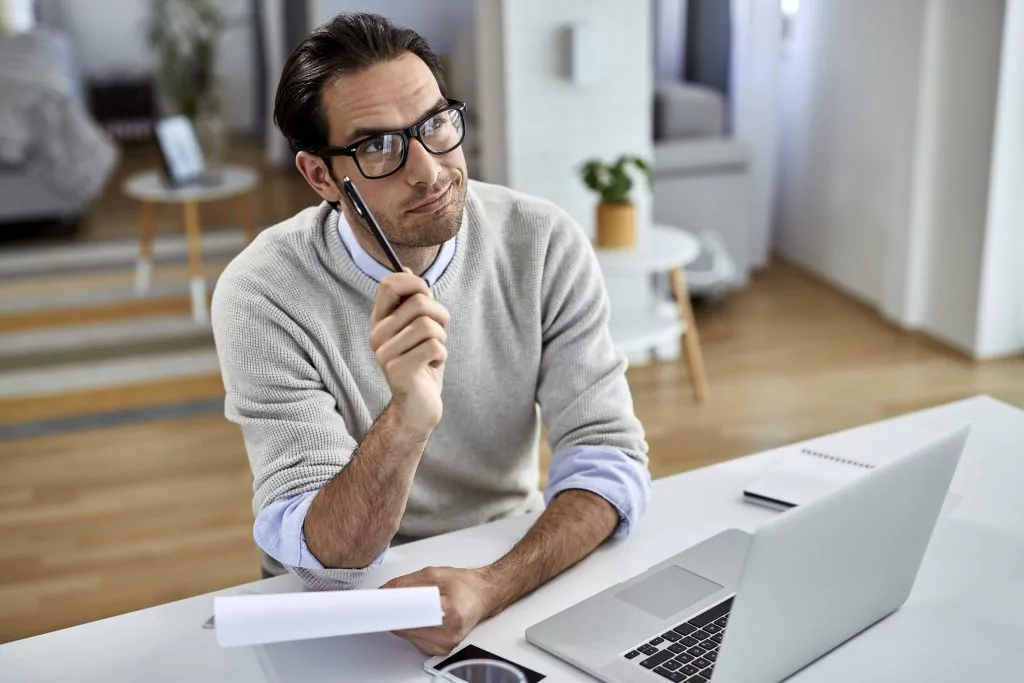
[
  {"x": 666, "y": 249},
  {"x": 150, "y": 188}
]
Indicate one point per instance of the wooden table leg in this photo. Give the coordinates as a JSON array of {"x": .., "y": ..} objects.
[
  {"x": 197, "y": 279},
  {"x": 691, "y": 340},
  {"x": 245, "y": 216},
  {"x": 144, "y": 265}
]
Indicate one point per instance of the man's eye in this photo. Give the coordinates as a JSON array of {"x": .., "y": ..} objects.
[
  {"x": 438, "y": 122},
  {"x": 375, "y": 146}
]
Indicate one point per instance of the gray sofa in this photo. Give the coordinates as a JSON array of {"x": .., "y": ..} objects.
[
  {"x": 701, "y": 176},
  {"x": 54, "y": 159}
]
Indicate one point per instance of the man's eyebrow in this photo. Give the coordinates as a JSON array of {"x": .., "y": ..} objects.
[{"x": 367, "y": 132}]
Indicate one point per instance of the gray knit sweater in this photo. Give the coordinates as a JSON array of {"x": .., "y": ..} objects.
[{"x": 528, "y": 327}]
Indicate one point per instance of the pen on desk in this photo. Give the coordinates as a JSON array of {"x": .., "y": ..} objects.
[{"x": 361, "y": 209}]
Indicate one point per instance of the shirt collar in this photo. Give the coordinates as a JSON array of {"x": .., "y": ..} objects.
[{"x": 376, "y": 271}]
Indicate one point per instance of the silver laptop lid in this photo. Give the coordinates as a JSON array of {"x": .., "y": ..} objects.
[{"x": 822, "y": 572}]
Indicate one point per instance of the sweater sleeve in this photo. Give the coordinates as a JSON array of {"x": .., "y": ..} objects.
[
  {"x": 598, "y": 442},
  {"x": 295, "y": 437}
]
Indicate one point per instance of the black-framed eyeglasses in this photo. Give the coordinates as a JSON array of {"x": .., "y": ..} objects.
[{"x": 383, "y": 154}]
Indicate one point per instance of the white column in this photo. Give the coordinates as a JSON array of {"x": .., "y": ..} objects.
[{"x": 1001, "y": 307}]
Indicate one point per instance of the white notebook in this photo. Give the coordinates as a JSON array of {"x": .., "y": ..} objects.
[{"x": 802, "y": 477}]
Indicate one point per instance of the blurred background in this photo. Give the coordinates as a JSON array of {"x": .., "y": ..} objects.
[{"x": 842, "y": 182}]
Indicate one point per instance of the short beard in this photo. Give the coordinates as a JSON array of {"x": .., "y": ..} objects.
[{"x": 439, "y": 228}]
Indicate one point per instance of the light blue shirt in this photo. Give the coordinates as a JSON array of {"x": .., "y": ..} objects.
[{"x": 605, "y": 471}]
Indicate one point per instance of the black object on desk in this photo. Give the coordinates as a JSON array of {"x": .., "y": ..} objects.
[{"x": 474, "y": 652}]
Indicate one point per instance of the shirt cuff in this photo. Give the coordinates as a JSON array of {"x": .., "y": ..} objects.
[
  {"x": 621, "y": 480},
  {"x": 279, "y": 532}
]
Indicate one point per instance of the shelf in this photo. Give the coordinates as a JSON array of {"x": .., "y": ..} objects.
[{"x": 638, "y": 332}]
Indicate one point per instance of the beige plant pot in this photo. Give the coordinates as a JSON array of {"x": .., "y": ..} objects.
[{"x": 616, "y": 226}]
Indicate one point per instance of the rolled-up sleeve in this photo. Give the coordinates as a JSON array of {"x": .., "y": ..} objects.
[
  {"x": 279, "y": 533},
  {"x": 597, "y": 441},
  {"x": 295, "y": 437},
  {"x": 607, "y": 472}
]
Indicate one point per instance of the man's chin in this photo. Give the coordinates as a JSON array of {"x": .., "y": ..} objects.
[{"x": 435, "y": 229}]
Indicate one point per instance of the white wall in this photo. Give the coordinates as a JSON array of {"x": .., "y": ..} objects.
[
  {"x": 18, "y": 15},
  {"x": 441, "y": 22},
  {"x": 109, "y": 37},
  {"x": 1001, "y": 318},
  {"x": 957, "y": 119},
  {"x": 755, "y": 73},
  {"x": 538, "y": 126},
  {"x": 888, "y": 137},
  {"x": 552, "y": 125},
  {"x": 848, "y": 111}
]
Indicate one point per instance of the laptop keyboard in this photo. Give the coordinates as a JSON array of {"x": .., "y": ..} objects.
[{"x": 687, "y": 652}]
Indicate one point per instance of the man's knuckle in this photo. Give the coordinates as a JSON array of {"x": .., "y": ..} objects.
[
  {"x": 422, "y": 305},
  {"x": 422, "y": 325}
]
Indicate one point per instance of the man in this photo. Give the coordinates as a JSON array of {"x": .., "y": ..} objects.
[{"x": 382, "y": 407}]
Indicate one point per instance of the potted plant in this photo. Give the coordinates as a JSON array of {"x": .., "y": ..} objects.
[
  {"x": 183, "y": 34},
  {"x": 616, "y": 215}
]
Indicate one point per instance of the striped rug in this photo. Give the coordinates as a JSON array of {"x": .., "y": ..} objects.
[{"x": 79, "y": 348}]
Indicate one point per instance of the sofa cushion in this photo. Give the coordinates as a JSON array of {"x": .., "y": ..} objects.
[
  {"x": 705, "y": 155},
  {"x": 687, "y": 110}
]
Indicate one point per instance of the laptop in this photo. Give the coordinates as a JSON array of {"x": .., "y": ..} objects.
[{"x": 742, "y": 608}]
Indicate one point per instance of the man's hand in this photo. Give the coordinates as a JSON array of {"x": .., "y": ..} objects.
[
  {"x": 408, "y": 338},
  {"x": 570, "y": 528},
  {"x": 466, "y": 601}
]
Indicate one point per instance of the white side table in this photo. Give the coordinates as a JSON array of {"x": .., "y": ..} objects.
[
  {"x": 150, "y": 188},
  {"x": 670, "y": 250}
]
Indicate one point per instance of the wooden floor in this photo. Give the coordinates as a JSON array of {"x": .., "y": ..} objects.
[{"x": 97, "y": 523}]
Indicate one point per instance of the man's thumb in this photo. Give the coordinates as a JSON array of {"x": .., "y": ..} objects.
[{"x": 398, "y": 582}]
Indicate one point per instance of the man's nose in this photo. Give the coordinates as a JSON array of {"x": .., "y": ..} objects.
[{"x": 422, "y": 167}]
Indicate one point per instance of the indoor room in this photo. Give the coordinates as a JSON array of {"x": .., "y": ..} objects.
[{"x": 495, "y": 340}]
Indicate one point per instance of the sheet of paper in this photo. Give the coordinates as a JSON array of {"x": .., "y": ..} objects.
[{"x": 258, "y": 619}]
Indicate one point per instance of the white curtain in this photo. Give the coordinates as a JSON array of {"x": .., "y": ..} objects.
[
  {"x": 272, "y": 20},
  {"x": 754, "y": 102},
  {"x": 669, "y": 39},
  {"x": 283, "y": 25}
]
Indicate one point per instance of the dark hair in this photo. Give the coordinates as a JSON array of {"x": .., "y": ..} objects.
[{"x": 349, "y": 42}]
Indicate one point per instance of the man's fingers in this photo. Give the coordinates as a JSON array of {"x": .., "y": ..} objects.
[
  {"x": 411, "y": 336},
  {"x": 430, "y": 641},
  {"x": 416, "y": 306},
  {"x": 393, "y": 290},
  {"x": 430, "y": 352},
  {"x": 417, "y": 578},
  {"x": 407, "y": 581},
  {"x": 429, "y": 647}
]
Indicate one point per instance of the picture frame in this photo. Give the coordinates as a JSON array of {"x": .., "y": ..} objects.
[{"x": 180, "y": 151}]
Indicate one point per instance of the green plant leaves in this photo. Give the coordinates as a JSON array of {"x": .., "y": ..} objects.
[{"x": 612, "y": 180}]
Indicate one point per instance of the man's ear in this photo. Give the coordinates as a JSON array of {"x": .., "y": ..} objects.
[{"x": 315, "y": 172}]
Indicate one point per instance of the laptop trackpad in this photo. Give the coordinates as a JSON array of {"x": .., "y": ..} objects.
[{"x": 671, "y": 590}]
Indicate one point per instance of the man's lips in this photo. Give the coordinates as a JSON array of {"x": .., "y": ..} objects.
[{"x": 434, "y": 203}]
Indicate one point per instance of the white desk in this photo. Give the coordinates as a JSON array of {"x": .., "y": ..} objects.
[{"x": 964, "y": 620}]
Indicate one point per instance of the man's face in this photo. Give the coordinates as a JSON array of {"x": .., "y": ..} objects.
[{"x": 421, "y": 205}]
